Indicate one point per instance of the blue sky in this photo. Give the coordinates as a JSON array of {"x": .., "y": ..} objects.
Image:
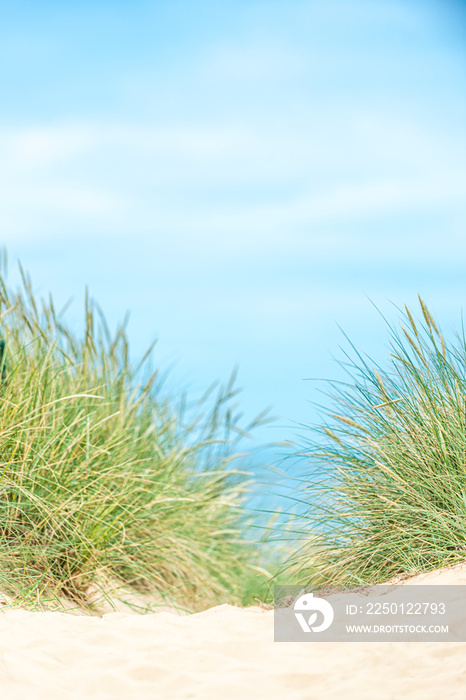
[{"x": 240, "y": 176}]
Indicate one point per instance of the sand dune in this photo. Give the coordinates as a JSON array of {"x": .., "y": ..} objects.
[{"x": 225, "y": 652}]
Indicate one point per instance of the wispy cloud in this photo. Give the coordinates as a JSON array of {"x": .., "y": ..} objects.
[{"x": 167, "y": 178}]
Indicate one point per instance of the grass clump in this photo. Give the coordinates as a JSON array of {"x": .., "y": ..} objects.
[
  {"x": 386, "y": 491},
  {"x": 101, "y": 477}
]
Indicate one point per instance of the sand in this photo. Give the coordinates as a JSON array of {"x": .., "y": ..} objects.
[{"x": 222, "y": 653}]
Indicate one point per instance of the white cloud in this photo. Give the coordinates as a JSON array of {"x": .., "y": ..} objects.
[
  {"x": 345, "y": 202},
  {"x": 164, "y": 180},
  {"x": 39, "y": 146},
  {"x": 36, "y": 147},
  {"x": 58, "y": 198}
]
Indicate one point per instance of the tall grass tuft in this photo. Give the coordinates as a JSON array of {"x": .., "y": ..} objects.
[
  {"x": 386, "y": 487},
  {"x": 101, "y": 477}
]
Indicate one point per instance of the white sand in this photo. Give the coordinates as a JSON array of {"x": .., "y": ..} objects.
[{"x": 223, "y": 653}]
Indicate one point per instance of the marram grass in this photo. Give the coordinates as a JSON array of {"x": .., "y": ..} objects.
[
  {"x": 386, "y": 486},
  {"x": 103, "y": 478}
]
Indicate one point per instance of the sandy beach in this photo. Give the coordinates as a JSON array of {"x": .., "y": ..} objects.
[{"x": 224, "y": 652}]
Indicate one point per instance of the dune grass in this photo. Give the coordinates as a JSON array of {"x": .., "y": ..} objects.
[
  {"x": 102, "y": 477},
  {"x": 386, "y": 489}
]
